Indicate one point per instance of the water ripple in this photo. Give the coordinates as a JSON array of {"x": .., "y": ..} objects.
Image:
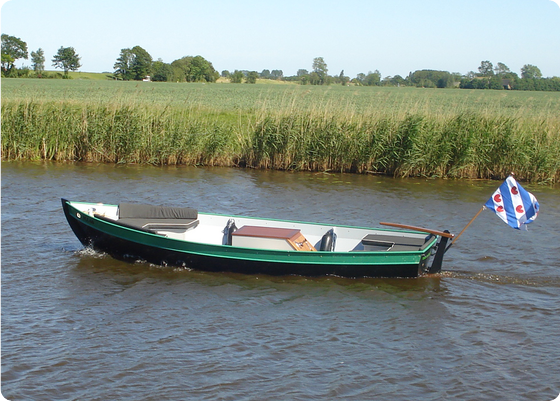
[{"x": 77, "y": 324}]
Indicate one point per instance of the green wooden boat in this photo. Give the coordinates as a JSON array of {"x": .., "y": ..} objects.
[{"x": 184, "y": 237}]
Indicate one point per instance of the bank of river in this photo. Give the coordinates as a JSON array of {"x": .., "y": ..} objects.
[{"x": 403, "y": 132}]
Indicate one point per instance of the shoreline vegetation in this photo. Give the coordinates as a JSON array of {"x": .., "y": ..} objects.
[{"x": 403, "y": 132}]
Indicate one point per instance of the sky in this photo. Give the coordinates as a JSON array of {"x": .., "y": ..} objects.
[{"x": 395, "y": 37}]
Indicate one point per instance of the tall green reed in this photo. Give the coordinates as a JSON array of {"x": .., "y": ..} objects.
[{"x": 405, "y": 142}]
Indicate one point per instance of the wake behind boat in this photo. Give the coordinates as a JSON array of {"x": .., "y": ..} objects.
[{"x": 184, "y": 237}]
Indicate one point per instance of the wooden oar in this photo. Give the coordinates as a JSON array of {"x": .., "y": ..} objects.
[{"x": 421, "y": 229}]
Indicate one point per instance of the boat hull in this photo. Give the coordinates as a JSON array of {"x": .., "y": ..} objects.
[{"x": 128, "y": 244}]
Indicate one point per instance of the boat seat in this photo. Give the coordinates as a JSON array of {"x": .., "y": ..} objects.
[
  {"x": 154, "y": 218},
  {"x": 160, "y": 224},
  {"x": 380, "y": 242},
  {"x": 139, "y": 211}
]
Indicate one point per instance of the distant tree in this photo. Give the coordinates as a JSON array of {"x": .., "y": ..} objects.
[
  {"x": 12, "y": 49},
  {"x": 486, "y": 69},
  {"x": 225, "y": 74},
  {"x": 141, "y": 64},
  {"x": 162, "y": 72},
  {"x": 123, "y": 65},
  {"x": 343, "y": 79},
  {"x": 38, "y": 61},
  {"x": 530, "y": 72},
  {"x": 135, "y": 63},
  {"x": 302, "y": 76},
  {"x": 252, "y": 77},
  {"x": 315, "y": 79},
  {"x": 501, "y": 69},
  {"x": 432, "y": 79},
  {"x": 361, "y": 78},
  {"x": 397, "y": 80},
  {"x": 237, "y": 77},
  {"x": 320, "y": 69},
  {"x": 276, "y": 74},
  {"x": 67, "y": 59},
  {"x": 372, "y": 78},
  {"x": 495, "y": 82},
  {"x": 203, "y": 70},
  {"x": 195, "y": 69},
  {"x": 265, "y": 74}
]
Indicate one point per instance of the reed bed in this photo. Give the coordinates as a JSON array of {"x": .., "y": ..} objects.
[{"x": 463, "y": 145}]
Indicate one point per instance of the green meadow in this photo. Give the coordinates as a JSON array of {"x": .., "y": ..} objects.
[{"x": 452, "y": 133}]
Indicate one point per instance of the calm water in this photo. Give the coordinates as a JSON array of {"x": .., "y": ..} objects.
[{"x": 77, "y": 325}]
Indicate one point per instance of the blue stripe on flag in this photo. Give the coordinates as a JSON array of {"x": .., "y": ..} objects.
[
  {"x": 527, "y": 202},
  {"x": 508, "y": 205}
]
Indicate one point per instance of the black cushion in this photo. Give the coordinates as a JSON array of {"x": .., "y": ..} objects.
[{"x": 139, "y": 211}]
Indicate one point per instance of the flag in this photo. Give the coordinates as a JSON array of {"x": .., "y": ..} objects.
[{"x": 513, "y": 204}]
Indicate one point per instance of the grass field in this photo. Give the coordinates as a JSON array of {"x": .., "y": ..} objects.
[{"x": 398, "y": 131}]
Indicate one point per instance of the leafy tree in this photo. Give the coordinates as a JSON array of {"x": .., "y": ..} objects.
[
  {"x": 195, "y": 69},
  {"x": 372, "y": 78},
  {"x": 202, "y": 70},
  {"x": 265, "y": 74},
  {"x": 38, "y": 61},
  {"x": 432, "y": 79},
  {"x": 495, "y": 83},
  {"x": 225, "y": 74},
  {"x": 360, "y": 78},
  {"x": 397, "y": 80},
  {"x": 12, "y": 49},
  {"x": 314, "y": 78},
  {"x": 162, "y": 72},
  {"x": 123, "y": 65},
  {"x": 252, "y": 77},
  {"x": 276, "y": 74},
  {"x": 486, "y": 69},
  {"x": 237, "y": 77},
  {"x": 530, "y": 71},
  {"x": 320, "y": 69},
  {"x": 501, "y": 69},
  {"x": 67, "y": 59},
  {"x": 302, "y": 72},
  {"x": 141, "y": 64}
]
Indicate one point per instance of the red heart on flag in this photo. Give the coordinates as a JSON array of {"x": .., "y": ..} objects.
[
  {"x": 514, "y": 190},
  {"x": 500, "y": 209},
  {"x": 519, "y": 209},
  {"x": 497, "y": 198}
]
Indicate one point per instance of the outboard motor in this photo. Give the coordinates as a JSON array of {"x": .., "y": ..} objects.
[
  {"x": 228, "y": 231},
  {"x": 328, "y": 241}
]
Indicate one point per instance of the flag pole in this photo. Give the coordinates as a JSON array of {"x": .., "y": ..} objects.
[{"x": 467, "y": 226}]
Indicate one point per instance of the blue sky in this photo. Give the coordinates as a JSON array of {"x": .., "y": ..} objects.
[{"x": 392, "y": 36}]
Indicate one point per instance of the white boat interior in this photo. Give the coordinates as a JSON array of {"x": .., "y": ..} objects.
[{"x": 188, "y": 225}]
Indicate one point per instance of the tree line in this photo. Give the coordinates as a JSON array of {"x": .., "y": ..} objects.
[
  {"x": 14, "y": 48},
  {"x": 137, "y": 64}
]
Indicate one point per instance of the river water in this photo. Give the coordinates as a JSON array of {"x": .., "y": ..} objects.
[{"x": 77, "y": 325}]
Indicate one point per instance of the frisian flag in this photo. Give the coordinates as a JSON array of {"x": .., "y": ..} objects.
[{"x": 513, "y": 204}]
